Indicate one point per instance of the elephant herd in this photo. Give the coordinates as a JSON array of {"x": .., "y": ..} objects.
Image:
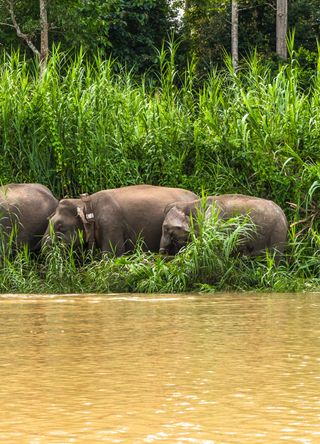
[{"x": 115, "y": 220}]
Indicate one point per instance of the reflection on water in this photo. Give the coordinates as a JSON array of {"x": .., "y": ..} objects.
[{"x": 169, "y": 369}]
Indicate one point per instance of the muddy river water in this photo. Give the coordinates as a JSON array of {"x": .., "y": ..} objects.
[{"x": 201, "y": 369}]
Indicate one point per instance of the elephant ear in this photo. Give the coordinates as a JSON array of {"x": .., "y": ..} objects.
[
  {"x": 88, "y": 226},
  {"x": 51, "y": 215},
  {"x": 169, "y": 207},
  {"x": 80, "y": 213},
  {"x": 176, "y": 218}
]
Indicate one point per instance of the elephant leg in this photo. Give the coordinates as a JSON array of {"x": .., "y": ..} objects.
[{"x": 113, "y": 243}]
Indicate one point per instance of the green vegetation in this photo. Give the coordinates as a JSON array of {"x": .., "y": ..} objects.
[
  {"x": 126, "y": 29},
  {"x": 207, "y": 264},
  {"x": 89, "y": 126},
  {"x": 208, "y": 23},
  {"x": 86, "y": 126},
  {"x": 130, "y": 29}
]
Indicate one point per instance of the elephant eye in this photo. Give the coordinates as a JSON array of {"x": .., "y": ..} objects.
[
  {"x": 59, "y": 227},
  {"x": 177, "y": 232}
]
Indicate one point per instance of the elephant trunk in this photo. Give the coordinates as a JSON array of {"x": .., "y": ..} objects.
[{"x": 165, "y": 243}]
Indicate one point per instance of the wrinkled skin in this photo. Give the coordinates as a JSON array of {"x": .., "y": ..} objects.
[
  {"x": 122, "y": 216},
  {"x": 269, "y": 219},
  {"x": 26, "y": 209}
]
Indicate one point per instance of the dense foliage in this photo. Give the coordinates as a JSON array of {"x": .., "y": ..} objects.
[
  {"x": 130, "y": 30},
  {"x": 86, "y": 126},
  {"x": 126, "y": 29},
  {"x": 207, "y": 24}
]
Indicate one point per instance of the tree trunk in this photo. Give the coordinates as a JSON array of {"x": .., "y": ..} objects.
[
  {"x": 44, "y": 50},
  {"x": 20, "y": 34},
  {"x": 234, "y": 33},
  {"x": 282, "y": 24}
]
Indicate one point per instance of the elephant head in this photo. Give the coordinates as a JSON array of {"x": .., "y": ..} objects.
[
  {"x": 183, "y": 218},
  {"x": 175, "y": 230},
  {"x": 69, "y": 223}
]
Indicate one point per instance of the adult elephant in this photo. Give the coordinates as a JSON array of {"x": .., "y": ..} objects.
[
  {"x": 24, "y": 212},
  {"x": 114, "y": 220},
  {"x": 270, "y": 222}
]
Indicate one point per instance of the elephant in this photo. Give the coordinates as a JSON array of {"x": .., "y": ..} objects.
[
  {"x": 24, "y": 212},
  {"x": 114, "y": 220},
  {"x": 270, "y": 222}
]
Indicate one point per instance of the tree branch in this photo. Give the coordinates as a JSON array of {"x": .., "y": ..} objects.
[
  {"x": 21, "y": 34},
  {"x": 6, "y": 24},
  {"x": 271, "y": 6}
]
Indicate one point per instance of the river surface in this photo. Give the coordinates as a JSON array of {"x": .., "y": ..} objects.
[{"x": 160, "y": 369}]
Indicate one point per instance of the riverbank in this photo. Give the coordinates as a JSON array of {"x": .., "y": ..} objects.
[
  {"x": 207, "y": 264},
  {"x": 90, "y": 125}
]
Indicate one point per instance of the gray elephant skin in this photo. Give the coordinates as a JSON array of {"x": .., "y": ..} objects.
[
  {"x": 270, "y": 222},
  {"x": 24, "y": 211},
  {"x": 113, "y": 220}
]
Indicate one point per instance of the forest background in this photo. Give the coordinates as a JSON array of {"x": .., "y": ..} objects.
[
  {"x": 137, "y": 92},
  {"x": 130, "y": 30}
]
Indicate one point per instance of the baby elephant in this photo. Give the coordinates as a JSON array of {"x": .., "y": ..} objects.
[{"x": 269, "y": 219}]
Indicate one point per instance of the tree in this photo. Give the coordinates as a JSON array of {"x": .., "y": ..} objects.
[
  {"x": 44, "y": 39},
  {"x": 282, "y": 25},
  {"x": 304, "y": 17},
  {"x": 140, "y": 26},
  {"x": 131, "y": 29},
  {"x": 127, "y": 29},
  {"x": 234, "y": 33},
  {"x": 11, "y": 7},
  {"x": 209, "y": 21},
  {"x": 206, "y": 27}
]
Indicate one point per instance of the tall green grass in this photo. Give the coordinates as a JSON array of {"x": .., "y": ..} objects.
[
  {"x": 209, "y": 263},
  {"x": 90, "y": 125},
  {"x": 85, "y": 126}
]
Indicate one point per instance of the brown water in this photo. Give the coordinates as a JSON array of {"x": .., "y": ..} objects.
[{"x": 169, "y": 369}]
